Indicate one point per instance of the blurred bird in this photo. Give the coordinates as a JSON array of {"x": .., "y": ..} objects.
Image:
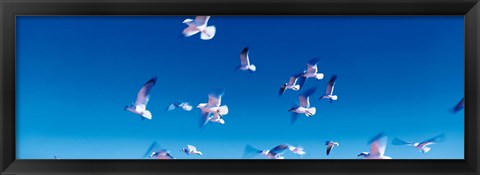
[
  {"x": 377, "y": 148},
  {"x": 140, "y": 106},
  {"x": 191, "y": 150},
  {"x": 329, "y": 91},
  {"x": 213, "y": 106},
  {"x": 274, "y": 153},
  {"x": 330, "y": 145},
  {"x": 199, "y": 25},
  {"x": 460, "y": 105},
  {"x": 304, "y": 106},
  {"x": 245, "y": 61},
  {"x": 421, "y": 146},
  {"x": 156, "y": 151},
  {"x": 184, "y": 105},
  {"x": 312, "y": 70},
  {"x": 295, "y": 83}
]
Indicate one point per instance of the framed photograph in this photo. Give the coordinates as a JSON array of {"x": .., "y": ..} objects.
[{"x": 239, "y": 87}]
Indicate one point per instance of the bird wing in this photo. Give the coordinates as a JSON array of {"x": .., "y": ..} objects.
[
  {"x": 152, "y": 147},
  {"x": 293, "y": 118},
  {"x": 329, "y": 148},
  {"x": 190, "y": 30},
  {"x": 331, "y": 85},
  {"x": 279, "y": 149},
  {"x": 144, "y": 93},
  {"x": 304, "y": 97},
  {"x": 378, "y": 145},
  {"x": 312, "y": 65},
  {"x": 191, "y": 148},
  {"x": 202, "y": 20},
  {"x": 459, "y": 106},
  {"x": 397, "y": 141},
  {"x": 215, "y": 98},
  {"x": 204, "y": 119},
  {"x": 436, "y": 139},
  {"x": 301, "y": 81},
  {"x": 244, "y": 60},
  {"x": 250, "y": 151},
  {"x": 294, "y": 79}
]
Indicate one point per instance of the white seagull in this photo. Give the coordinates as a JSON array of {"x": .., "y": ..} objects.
[
  {"x": 460, "y": 105},
  {"x": 312, "y": 70},
  {"x": 304, "y": 107},
  {"x": 421, "y": 146},
  {"x": 329, "y": 91},
  {"x": 184, "y": 105},
  {"x": 295, "y": 83},
  {"x": 140, "y": 105},
  {"x": 274, "y": 153},
  {"x": 330, "y": 145},
  {"x": 191, "y": 150},
  {"x": 377, "y": 148},
  {"x": 213, "y": 106},
  {"x": 245, "y": 61},
  {"x": 199, "y": 25},
  {"x": 157, "y": 152}
]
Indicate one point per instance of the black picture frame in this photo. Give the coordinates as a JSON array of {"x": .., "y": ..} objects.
[{"x": 11, "y": 8}]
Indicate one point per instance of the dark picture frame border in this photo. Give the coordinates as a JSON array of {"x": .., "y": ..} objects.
[{"x": 9, "y": 9}]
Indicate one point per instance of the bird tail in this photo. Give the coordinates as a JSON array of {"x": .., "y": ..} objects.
[
  {"x": 250, "y": 152},
  {"x": 252, "y": 68},
  {"x": 397, "y": 141},
  {"x": 312, "y": 111},
  {"x": 208, "y": 33},
  {"x": 223, "y": 110},
  {"x": 147, "y": 115}
]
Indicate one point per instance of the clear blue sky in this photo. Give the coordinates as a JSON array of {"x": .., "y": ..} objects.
[{"x": 398, "y": 74}]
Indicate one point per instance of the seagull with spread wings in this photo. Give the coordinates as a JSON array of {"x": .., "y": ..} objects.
[
  {"x": 213, "y": 107},
  {"x": 140, "y": 105},
  {"x": 295, "y": 83},
  {"x": 330, "y": 145},
  {"x": 378, "y": 144},
  {"x": 199, "y": 25},
  {"x": 274, "y": 153},
  {"x": 421, "y": 146},
  {"x": 191, "y": 150},
  {"x": 329, "y": 91},
  {"x": 245, "y": 61},
  {"x": 298, "y": 150},
  {"x": 304, "y": 106},
  {"x": 312, "y": 69}
]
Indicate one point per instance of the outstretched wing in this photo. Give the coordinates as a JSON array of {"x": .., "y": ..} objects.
[
  {"x": 312, "y": 65},
  {"x": 460, "y": 105},
  {"x": 331, "y": 85},
  {"x": 304, "y": 97},
  {"x": 329, "y": 148},
  {"x": 244, "y": 60},
  {"x": 280, "y": 148},
  {"x": 436, "y": 139},
  {"x": 201, "y": 20},
  {"x": 204, "y": 119},
  {"x": 144, "y": 93},
  {"x": 152, "y": 147},
  {"x": 250, "y": 151},
  {"x": 378, "y": 144},
  {"x": 397, "y": 141},
  {"x": 215, "y": 98}
]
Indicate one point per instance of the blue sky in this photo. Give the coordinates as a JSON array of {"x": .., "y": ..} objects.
[{"x": 397, "y": 74}]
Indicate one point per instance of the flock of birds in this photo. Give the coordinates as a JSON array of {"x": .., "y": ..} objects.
[{"x": 213, "y": 110}]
